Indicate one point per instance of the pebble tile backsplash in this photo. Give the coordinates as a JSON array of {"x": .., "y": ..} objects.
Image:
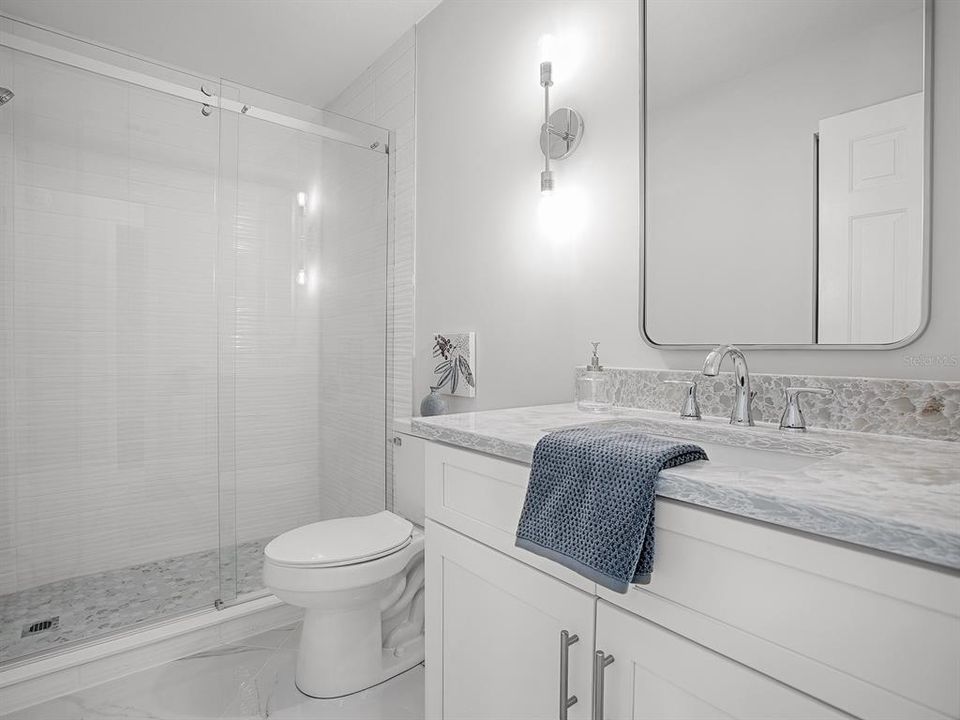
[{"x": 912, "y": 408}]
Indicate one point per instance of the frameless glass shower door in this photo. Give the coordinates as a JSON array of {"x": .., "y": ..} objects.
[
  {"x": 305, "y": 371},
  {"x": 108, "y": 323},
  {"x": 194, "y": 299}
]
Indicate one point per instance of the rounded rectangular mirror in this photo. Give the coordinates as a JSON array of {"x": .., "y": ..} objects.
[{"x": 786, "y": 172}]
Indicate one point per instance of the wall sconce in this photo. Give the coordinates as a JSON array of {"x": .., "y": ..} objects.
[{"x": 563, "y": 128}]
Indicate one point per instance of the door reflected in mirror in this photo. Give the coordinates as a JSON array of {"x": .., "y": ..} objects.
[{"x": 785, "y": 168}]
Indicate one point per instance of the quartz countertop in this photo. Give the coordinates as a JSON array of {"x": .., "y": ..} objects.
[{"x": 897, "y": 495}]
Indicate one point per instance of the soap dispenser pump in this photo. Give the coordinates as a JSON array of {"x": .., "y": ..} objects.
[{"x": 593, "y": 386}]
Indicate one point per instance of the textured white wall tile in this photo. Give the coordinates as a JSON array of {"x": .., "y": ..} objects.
[
  {"x": 277, "y": 324},
  {"x": 386, "y": 94},
  {"x": 113, "y": 386}
]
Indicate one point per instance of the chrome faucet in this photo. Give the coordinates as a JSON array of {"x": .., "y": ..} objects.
[
  {"x": 742, "y": 413},
  {"x": 792, "y": 418}
]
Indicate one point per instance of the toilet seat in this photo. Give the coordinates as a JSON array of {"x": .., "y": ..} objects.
[{"x": 341, "y": 542}]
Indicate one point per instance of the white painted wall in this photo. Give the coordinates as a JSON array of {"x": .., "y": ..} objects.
[{"x": 480, "y": 262}]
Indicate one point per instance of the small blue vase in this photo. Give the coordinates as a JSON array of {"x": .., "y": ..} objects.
[{"x": 433, "y": 404}]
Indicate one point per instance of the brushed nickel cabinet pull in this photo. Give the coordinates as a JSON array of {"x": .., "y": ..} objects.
[
  {"x": 600, "y": 662},
  {"x": 566, "y": 702}
]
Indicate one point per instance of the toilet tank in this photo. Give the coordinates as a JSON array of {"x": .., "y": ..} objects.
[{"x": 408, "y": 471}]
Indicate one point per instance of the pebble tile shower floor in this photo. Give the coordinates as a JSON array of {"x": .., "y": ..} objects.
[{"x": 91, "y": 606}]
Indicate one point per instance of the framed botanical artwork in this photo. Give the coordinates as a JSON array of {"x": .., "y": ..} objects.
[{"x": 455, "y": 372}]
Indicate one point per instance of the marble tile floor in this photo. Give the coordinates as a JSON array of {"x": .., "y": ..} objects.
[
  {"x": 95, "y": 605},
  {"x": 253, "y": 678}
]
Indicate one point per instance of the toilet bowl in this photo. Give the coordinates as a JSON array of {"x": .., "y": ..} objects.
[{"x": 360, "y": 582}]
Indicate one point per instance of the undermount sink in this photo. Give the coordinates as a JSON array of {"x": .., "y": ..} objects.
[
  {"x": 750, "y": 458},
  {"x": 778, "y": 459}
]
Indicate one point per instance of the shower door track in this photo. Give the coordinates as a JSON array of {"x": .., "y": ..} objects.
[{"x": 65, "y": 57}]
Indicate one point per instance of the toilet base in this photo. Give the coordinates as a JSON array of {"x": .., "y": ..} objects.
[
  {"x": 342, "y": 653},
  {"x": 392, "y": 666}
]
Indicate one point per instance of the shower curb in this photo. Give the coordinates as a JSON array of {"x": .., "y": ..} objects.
[{"x": 48, "y": 677}]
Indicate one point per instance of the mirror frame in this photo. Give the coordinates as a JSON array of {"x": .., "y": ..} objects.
[{"x": 927, "y": 194}]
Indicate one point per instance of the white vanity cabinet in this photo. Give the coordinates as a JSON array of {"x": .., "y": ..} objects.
[{"x": 741, "y": 619}]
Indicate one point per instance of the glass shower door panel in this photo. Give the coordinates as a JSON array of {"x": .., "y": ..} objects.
[
  {"x": 109, "y": 477},
  {"x": 354, "y": 294},
  {"x": 310, "y": 282},
  {"x": 226, "y": 361},
  {"x": 8, "y": 550}
]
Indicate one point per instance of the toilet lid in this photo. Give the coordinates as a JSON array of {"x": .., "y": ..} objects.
[{"x": 343, "y": 541}]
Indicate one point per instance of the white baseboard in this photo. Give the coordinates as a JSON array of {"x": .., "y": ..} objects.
[{"x": 66, "y": 672}]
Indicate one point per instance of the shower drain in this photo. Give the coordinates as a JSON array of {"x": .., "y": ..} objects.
[{"x": 40, "y": 626}]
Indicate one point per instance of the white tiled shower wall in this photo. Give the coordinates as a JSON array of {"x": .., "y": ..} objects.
[
  {"x": 385, "y": 95},
  {"x": 109, "y": 327},
  {"x": 274, "y": 373},
  {"x": 353, "y": 352}
]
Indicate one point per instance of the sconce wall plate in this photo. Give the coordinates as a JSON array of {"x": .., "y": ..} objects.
[{"x": 562, "y": 132}]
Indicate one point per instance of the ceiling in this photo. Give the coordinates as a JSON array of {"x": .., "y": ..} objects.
[{"x": 305, "y": 50}]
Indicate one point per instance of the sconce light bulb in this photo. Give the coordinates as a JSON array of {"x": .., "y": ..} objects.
[
  {"x": 546, "y": 74},
  {"x": 302, "y": 276},
  {"x": 302, "y": 200},
  {"x": 546, "y": 182}
]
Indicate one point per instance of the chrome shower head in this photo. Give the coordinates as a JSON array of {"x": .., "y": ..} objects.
[{"x": 6, "y": 95}]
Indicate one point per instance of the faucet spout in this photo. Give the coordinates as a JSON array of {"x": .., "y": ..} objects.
[{"x": 742, "y": 413}]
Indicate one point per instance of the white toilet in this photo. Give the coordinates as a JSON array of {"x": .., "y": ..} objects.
[{"x": 360, "y": 580}]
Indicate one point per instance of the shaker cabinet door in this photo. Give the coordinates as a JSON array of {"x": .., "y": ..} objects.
[
  {"x": 494, "y": 635},
  {"x": 659, "y": 675}
]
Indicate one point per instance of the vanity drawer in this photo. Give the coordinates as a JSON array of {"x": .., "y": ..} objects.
[
  {"x": 874, "y": 636},
  {"x": 482, "y": 497}
]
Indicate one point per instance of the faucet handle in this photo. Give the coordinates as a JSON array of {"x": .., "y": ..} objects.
[
  {"x": 691, "y": 408},
  {"x": 792, "y": 418}
]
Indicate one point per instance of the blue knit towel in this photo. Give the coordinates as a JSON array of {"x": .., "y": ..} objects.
[{"x": 589, "y": 504}]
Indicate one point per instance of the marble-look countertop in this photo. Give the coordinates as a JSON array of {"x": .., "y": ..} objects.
[{"x": 897, "y": 495}]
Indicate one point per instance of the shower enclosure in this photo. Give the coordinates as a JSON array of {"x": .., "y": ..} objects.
[{"x": 194, "y": 295}]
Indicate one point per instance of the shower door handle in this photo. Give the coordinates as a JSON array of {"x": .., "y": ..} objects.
[
  {"x": 600, "y": 662},
  {"x": 566, "y": 701}
]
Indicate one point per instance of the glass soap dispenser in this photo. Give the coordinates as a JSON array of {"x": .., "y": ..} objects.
[{"x": 594, "y": 393}]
